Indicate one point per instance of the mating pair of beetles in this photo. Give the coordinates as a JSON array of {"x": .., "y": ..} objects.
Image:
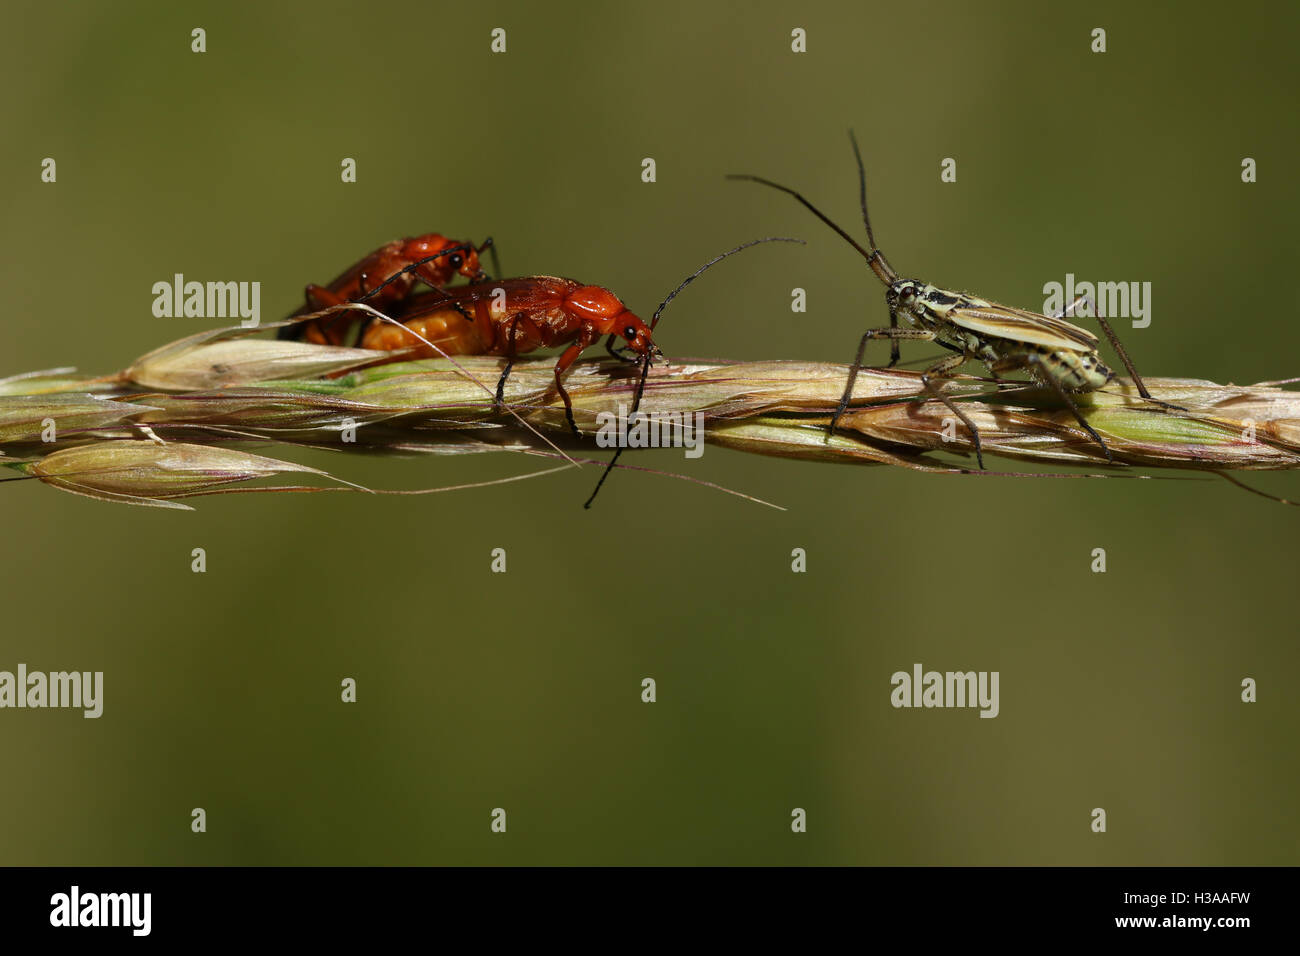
[
  {"x": 486, "y": 317},
  {"x": 512, "y": 316}
]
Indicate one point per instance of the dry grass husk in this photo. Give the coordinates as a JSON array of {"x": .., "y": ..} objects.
[{"x": 163, "y": 429}]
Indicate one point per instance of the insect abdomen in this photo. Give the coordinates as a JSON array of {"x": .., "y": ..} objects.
[{"x": 1076, "y": 371}]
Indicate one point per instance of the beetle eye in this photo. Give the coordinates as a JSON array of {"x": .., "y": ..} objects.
[
  {"x": 456, "y": 260},
  {"x": 629, "y": 333}
]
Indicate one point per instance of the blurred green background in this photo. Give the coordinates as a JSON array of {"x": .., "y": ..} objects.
[{"x": 522, "y": 690}]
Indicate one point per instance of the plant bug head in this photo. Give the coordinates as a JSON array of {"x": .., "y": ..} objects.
[{"x": 903, "y": 294}]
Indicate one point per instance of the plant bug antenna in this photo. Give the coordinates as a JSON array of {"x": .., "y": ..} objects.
[
  {"x": 654, "y": 320},
  {"x": 875, "y": 258},
  {"x": 889, "y": 275}
]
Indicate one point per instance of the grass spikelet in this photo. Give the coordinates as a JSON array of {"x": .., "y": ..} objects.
[{"x": 162, "y": 429}]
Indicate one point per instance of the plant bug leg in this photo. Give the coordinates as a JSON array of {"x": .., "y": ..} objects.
[{"x": 894, "y": 334}]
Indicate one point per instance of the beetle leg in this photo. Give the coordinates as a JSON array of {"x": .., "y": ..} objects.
[
  {"x": 510, "y": 359},
  {"x": 491, "y": 246},
  {"x": 620, "y": 353},
  {"x": 318, "y": 299},
  {"x": 455, "y": 303},
  {"x": 585, "y": 339}
]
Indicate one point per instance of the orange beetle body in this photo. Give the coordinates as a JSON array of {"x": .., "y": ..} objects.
[
  {"x": 511, "y": 317},
  {"x": 392, "y": 266},
  {"x": 526, "y": 314}
]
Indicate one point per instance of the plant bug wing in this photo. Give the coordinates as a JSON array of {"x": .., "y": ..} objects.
[{"x": 1020, "y": 325}]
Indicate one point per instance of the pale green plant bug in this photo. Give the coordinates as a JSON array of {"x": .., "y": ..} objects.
[{"x": 1054, "y": 352}]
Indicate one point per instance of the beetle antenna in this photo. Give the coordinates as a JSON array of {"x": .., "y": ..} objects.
[
  {"x": 645, "y": 362},
  {"x": 413, "y": 266},
  {"x": 491, "y": 247}
]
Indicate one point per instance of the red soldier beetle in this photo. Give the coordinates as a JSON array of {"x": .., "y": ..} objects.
[
  {"x": 385, "y": 278},
  {"x": 514, "y": 316},
  {"x": 511, "y": 317}
]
